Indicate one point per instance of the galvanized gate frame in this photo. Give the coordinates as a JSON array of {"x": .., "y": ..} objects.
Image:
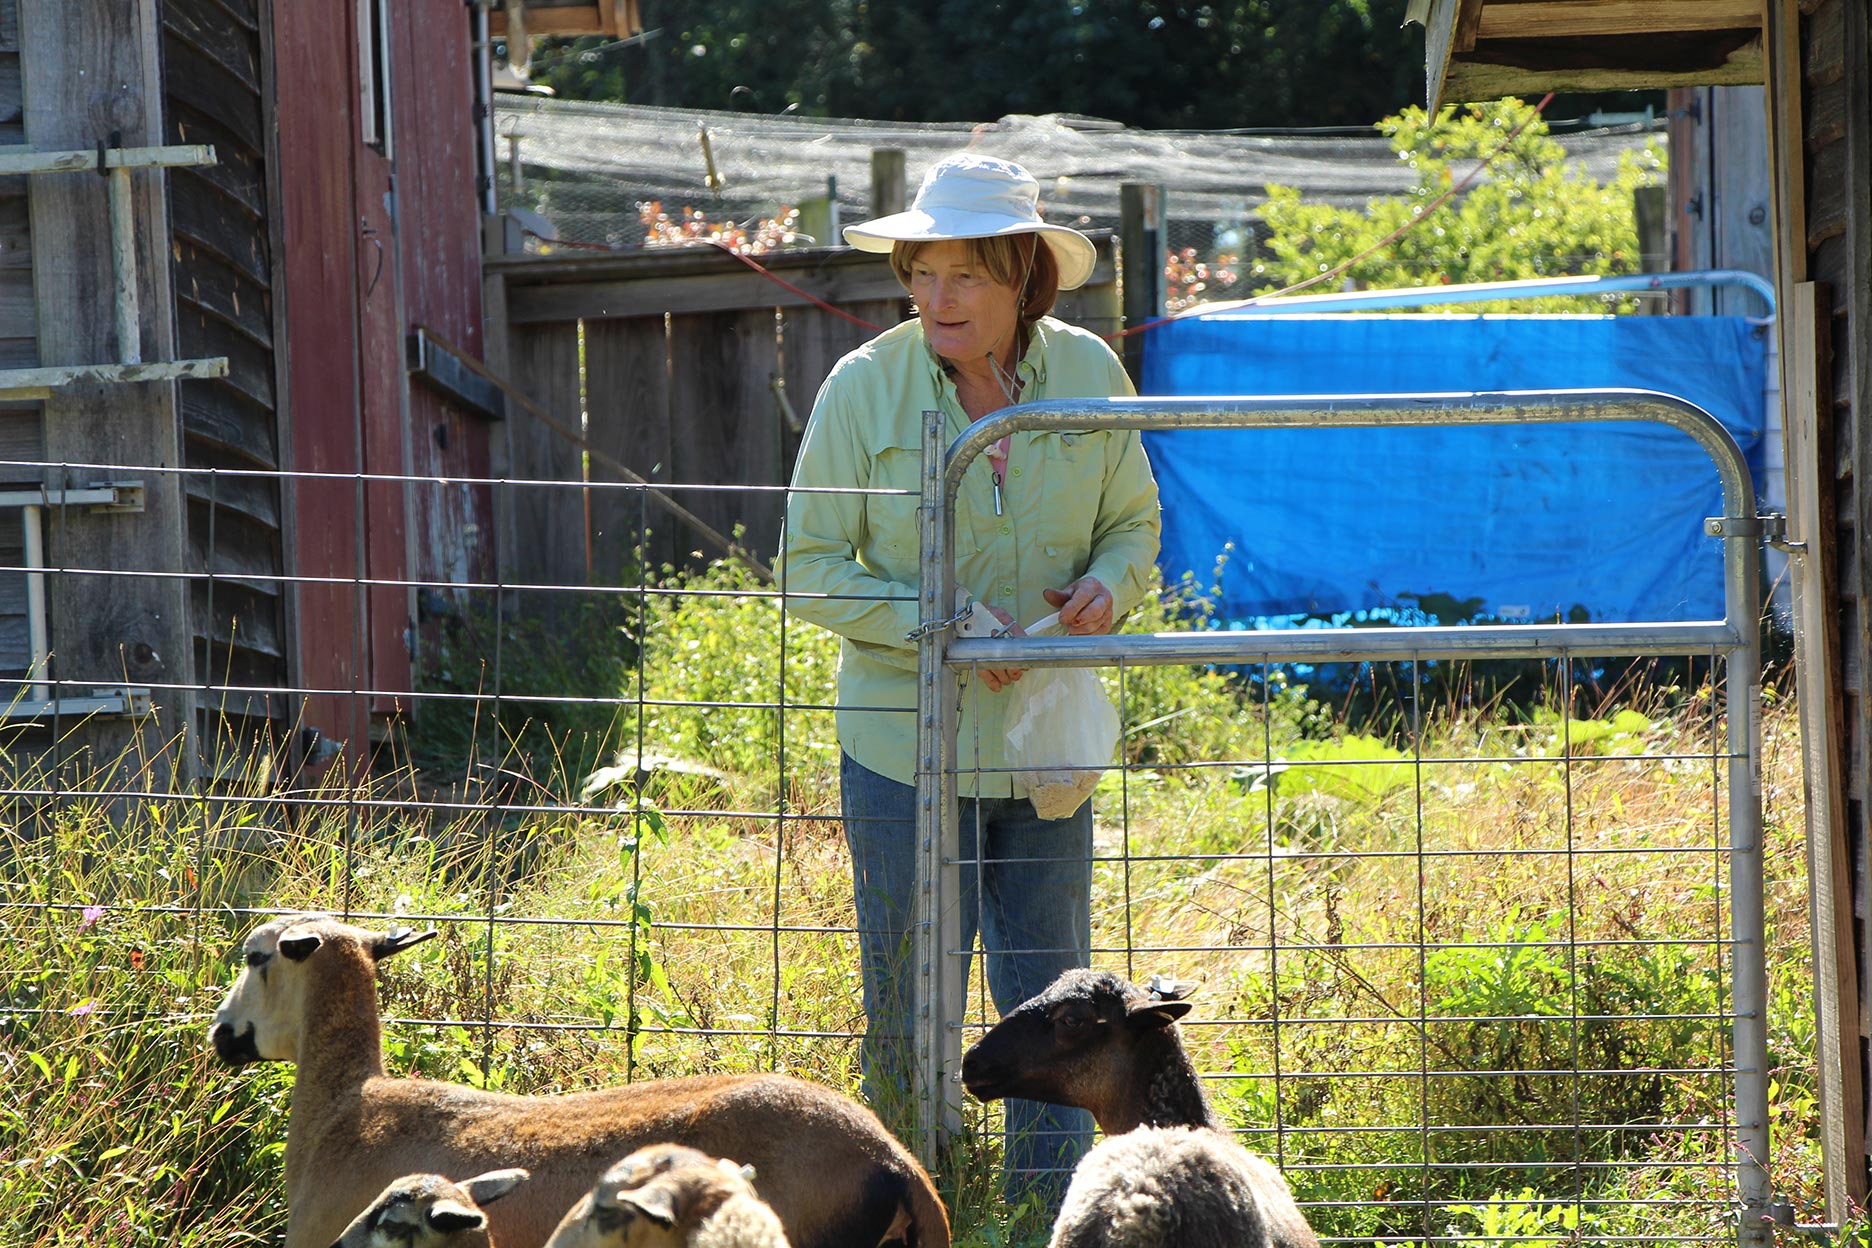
[{"x": 936, "y": 932}]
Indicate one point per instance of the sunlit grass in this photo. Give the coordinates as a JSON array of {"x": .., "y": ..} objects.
[{"x": 1472, "y": 898}]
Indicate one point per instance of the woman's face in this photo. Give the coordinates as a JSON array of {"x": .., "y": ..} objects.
[{"x": 966, "y": 314}]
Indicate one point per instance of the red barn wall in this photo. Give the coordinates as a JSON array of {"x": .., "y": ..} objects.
[{"x": 375, "y": 242}]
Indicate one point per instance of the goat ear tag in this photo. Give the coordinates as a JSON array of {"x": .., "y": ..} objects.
[{"x": 299, "y": 948}]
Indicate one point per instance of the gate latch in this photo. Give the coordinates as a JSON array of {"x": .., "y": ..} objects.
[{"x": 1771, "y": 528}]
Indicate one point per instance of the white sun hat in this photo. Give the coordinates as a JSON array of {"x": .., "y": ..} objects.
[{"x": 973, "y": 196}]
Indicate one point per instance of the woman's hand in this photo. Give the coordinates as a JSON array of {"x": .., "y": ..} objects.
[
  {"x": 999, "y": 678},
  {"x": 1085, "y": 606}
]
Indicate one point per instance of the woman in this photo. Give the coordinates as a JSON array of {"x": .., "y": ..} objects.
[{"x": 1046, "y": 521}]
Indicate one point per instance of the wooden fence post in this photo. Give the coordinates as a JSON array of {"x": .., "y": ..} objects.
[
  {"x": 1650, "y": 215},
  {"x": 1140, "y": 265},
  {"x": 887, "y": 181}
]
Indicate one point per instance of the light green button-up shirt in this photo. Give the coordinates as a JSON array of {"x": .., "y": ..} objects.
[{"x": 1072, "y": 504}]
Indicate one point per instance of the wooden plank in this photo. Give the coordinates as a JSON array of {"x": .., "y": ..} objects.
[
  {"x": 204, "y": 28},
  {"x": 723, "y": 291},
  {"x": 1823, "y": 43},
  {"x": 254, "y": 499},
  {"x": 237, "y": 174},
  {"x": 1649, "y": 62},
  {"x": 1561, "y": 19},
  {"x": 223, "y": 225},
  {"x": 20, "y": 441},
  {"x": 724, "y": 424},
  {"x": 633, "y": 283},
  {"x": 627, "y": 387},
  {"x": 1830, "y": 195},
  {"x": 1811, "y": 506},
  {"x": 543, "y": 17},
  {"x": 1439, "y": 36},
  {"x": 213, "y": 90},
  {"x": 240, "y": 618},
  {"x": 1468, "y": 25},
  {"x": 549, "y": 519},
  {"x": 250, "y": 366},
  {"x": 220, "y": 415},
  {"x": 91, "y": 71},
  {"x": 9, "y": 25},
  {"x": 1826, "y": 115},
  {"x": 12, "y": 99},
  {"x": 208, "y": 286}
]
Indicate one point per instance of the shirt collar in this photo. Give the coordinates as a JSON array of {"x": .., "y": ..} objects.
[{"x": 1031, "y": 368}]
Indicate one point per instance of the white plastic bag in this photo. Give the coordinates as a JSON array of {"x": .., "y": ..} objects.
[{"x": 1061, "y": 730}]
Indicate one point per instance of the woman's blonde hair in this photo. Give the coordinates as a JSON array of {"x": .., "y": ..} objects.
[{"x": 1019, "y": 261}]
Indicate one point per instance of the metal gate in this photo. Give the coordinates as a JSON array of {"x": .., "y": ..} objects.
[{"x": 1410, "y": 1192}]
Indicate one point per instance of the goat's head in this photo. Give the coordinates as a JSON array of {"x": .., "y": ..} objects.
[
  {"x": 655, "y": 1196},
  {"x": 264, "y": 1013},
  {"x": 428, "y": 1211},
  {"x": 1074, "y": 1044}
]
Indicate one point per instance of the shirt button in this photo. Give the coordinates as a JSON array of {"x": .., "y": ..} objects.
[
  {"x": 1017, "y": 472},
  {"x": 1005, "y": 529},
  {"x": 1007, "y": 589}
]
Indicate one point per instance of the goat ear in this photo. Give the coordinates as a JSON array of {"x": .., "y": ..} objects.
[
  {"x": 655, "y": 1203},
  {"x": 396, "y": 940},
  {"x": 299, "y": 948},
  {"x": 486, "y": 1188},
  {"x": 452, "y": 1215},
  {"x": 1153, "y": 1013}
]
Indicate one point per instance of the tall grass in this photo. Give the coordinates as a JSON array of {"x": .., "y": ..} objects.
[{"x": 1409, "y": 922}]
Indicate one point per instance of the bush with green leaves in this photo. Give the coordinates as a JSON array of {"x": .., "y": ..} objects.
[{"x": 1533, "y": 214}]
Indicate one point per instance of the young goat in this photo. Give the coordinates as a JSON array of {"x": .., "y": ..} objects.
[
  {"x": 308, "y": 995},
  {"x": 669, "y": 1196},
  {"x": 1166, "y": 1172},
  {"x": 428, "y": 1211}
]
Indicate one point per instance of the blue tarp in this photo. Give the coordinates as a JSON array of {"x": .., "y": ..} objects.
[{"x": 1532, "y": 520}]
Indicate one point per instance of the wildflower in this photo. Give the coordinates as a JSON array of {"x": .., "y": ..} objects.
[
  {"x": 91, "y": 916},
  {"x": 82, "y": 1008}
]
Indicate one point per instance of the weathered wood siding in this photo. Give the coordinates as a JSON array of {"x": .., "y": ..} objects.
[
  {"x": 1837, "y": 128},
  {"x": 90, "y": 73},
  {"x": 696, "y": 370},
  {"x": 214, "y": 90},
  {"x": 20, "y": 439}
]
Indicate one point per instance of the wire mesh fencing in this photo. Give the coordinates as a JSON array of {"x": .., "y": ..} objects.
[{"x": 1467, "y": 965}]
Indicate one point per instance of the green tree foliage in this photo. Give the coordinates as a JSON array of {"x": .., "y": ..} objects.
[
  {"x": 1147, "y": 63},
  {"x": 1533, "y": 214}
]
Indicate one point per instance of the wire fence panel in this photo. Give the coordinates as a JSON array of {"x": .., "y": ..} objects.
[
  {"x": 1494, "y": 1076},
  {"x": 1465, "y": 975}
]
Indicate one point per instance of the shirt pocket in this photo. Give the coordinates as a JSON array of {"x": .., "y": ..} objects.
[
  {"x": 1072, "y": 480},
  {"x": 891, "y": 519}
]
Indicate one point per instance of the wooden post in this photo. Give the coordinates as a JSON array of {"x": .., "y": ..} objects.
[
  {"x": 887, "y": 181},
  {"x": 1811, "y": 510},
  {"x": 1140, "y": 265},
  {"x": 90, "y": 71},
  {"x": 1649, "y": 213}
]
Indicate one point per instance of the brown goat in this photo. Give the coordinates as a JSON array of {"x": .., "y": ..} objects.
[
  {"x": 1167, "y": 1172},
  {"x": 308, "y": 995}
]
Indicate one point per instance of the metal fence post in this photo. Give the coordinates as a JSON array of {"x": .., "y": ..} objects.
[{"x": 937, "y": 917}]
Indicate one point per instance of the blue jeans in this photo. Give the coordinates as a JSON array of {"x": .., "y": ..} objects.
[{"x": 1030, "y": 899}]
